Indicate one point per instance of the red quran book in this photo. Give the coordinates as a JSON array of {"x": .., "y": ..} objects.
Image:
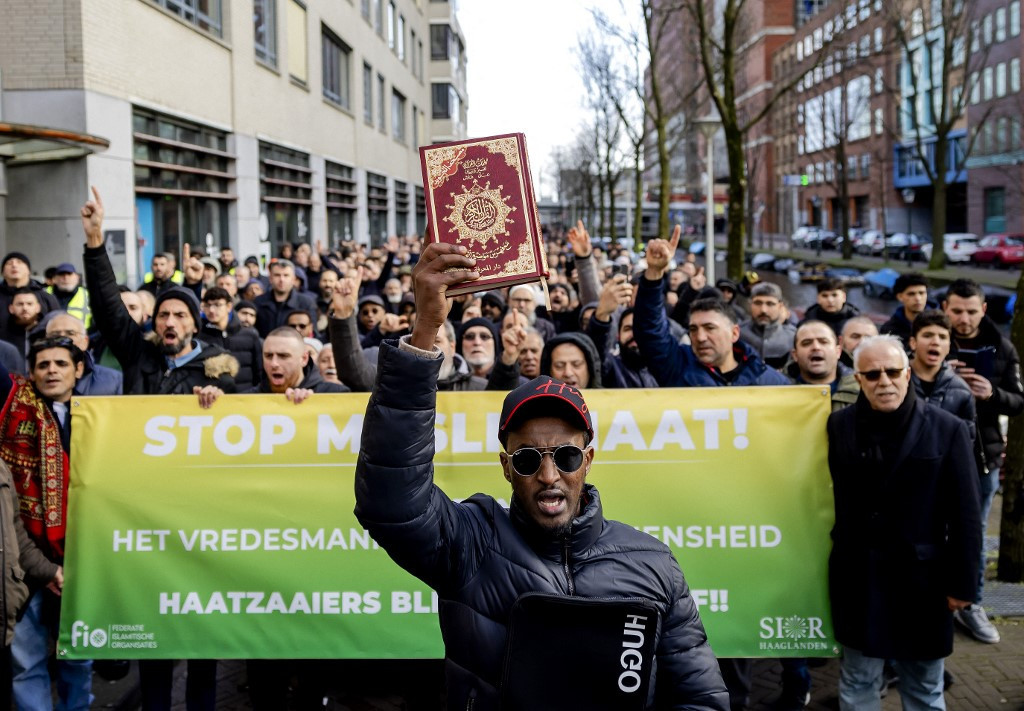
[{"x": 479, "y": 195}]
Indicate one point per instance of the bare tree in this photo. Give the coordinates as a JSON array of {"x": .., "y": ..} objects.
[
  {"x": 939, "y": 41},
  {"x": 619, "y": 77},
  {"x": 724, "y": 33}
]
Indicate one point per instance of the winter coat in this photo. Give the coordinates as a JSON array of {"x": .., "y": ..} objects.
[
  {"x": 271, "y": 313},
  {"x": 23, "y": 562},
  {"x": 1007, "y": 391},
  {"x": 906, "y": 534},
  {"x": 480, "y": 557},
  {"x": 143, "y": 365},
  {"x": 98, "y": 379},
  {"x": 773, "y": 342},
  {"x": 674, "y": 364},
  {"x": 7, "y": 293},
  {"x": 311, "y": 381},
  {"x": 835, "y": 320},
  {"x": 845, "y": 387},
  {"x": 243, "y": 343},
  {"x": 950, "y": 393}
]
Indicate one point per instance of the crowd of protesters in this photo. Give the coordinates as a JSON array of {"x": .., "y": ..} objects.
[{"x": 312, "y": 319}]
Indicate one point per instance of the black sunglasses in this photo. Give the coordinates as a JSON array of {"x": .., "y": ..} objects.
[
  {"x": 873, "y": 376},
  {"x": 526, "y": 461}
]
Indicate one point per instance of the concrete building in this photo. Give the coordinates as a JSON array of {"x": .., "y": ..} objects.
[
  {"x": 242, "y": 124},
  {"x": 995, "y": 192}
]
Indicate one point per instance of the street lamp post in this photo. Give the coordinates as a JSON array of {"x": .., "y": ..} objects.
[{"x": 709, "y": 126}]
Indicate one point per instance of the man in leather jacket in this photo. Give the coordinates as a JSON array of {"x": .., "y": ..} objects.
[{"x": 480, "y": 557}]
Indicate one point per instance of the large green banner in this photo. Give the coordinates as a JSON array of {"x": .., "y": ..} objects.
[{"x": 229, "y": 533}]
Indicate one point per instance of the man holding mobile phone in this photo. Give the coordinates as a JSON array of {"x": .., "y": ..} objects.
[{"x": 991, "y": 367}]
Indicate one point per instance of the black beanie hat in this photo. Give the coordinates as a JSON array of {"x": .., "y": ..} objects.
[
  {"x": 16, "y": 255},
  {"x": 186, "y": 296}
]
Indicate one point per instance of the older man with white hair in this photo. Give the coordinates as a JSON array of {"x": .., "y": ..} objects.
[
  {"x": 906, "y": 539},
  {"x": 523, "y": 298}
]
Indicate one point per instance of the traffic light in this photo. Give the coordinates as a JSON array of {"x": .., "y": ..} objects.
[{"x": 805, "y": 180}]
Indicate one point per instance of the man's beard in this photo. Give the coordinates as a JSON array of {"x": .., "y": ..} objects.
[
  {"x": 480, "y": 361},
  {"x": 173, "y": 349},
  {"x": 630, "y": 355}
]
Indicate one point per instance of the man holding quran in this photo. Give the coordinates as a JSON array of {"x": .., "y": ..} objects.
[{"x": 546, "y": 605}]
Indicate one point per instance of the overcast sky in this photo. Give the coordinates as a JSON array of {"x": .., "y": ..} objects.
[{"x": 523, "y": 72}]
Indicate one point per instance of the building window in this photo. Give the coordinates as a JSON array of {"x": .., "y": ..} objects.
[
  {"x": 336, "y": 57},
  {"x": 1001, "y": 24},
  {"x": 975, "y": 88},
  {"x": 865, "y": 166},
  {"x": 400, "y": 38},
  {"x": 381, "y": 125},
  {"x": 365, "y": 7},
  {"x": 377, "y": 10},
  {"x": 879, "y": 122},
  {"x": 439, "y": 41},
  {"x": 1001, "y": 79},
  {"x": 445, "y": 102},
  {"x": 186, "y": 173},
  {"x": 986, "y": 81},
  {"x": 421, "y": 211},
  {"x": 297, "y": 41},
  {"x": 414, "y": 63},
  {"x": 401, "y": 207},
  {"x": 419, "y": 55},
  {"x": 1015, "y": 74},
  {"x": 397, "y": 116},
  {"x": 391, "y": 26},
  {"x": 264, "y": 18},
  {"x": 879, "y": 80},
  {"x": 367, "y": 94},
  {"x": 986, "y": 30},
  {"x": 995, "y": 209},
  {"x": 204, "y": 14},
  {"x": 1001, "y": 134},
  {"x": 415, "y": 127},
  {"x": 1014, "y": 18},
  {"x": 377, "y": 207},
  {"x": 340, "y": 203},
  {"x": 286, "y": 193}
]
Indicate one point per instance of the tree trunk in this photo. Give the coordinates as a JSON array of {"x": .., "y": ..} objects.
[
  {"x": 638, "y": 200},
  {"x": 736, "y": 217},
  {"x": 938, "y": 260},
  {"x": 1011, "y": 527},
  {"x": 665, "y": 191}
]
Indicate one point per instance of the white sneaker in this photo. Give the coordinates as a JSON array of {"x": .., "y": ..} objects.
[{"x": 974, "y": 619}]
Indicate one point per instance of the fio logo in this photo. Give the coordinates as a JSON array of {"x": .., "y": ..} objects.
[{"x": 81, "y": 636}]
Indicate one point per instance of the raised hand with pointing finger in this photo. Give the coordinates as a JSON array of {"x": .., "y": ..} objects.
[{"x": 660, "y": 252}]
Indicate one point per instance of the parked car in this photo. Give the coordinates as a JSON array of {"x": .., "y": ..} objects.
[
  {"x": 905, "y": 245},
  {"x": 871, "y": 242},
  {"x": 1000, "y": 250},
  {"x": 959, "y": 246},
  {"x": 803, "y": 234}
]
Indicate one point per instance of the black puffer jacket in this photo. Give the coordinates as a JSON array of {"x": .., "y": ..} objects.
[
  {"x": 144, "y": 366},
  {"x": 480, "y": 557},
  {"x": 243, "y": 343},
  {"x": 1007, "y": 391}
]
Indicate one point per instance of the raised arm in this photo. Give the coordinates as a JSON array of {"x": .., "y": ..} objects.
[
  {"x": 354, "y": 370},
  {"x": 590, "y": 285},
  {"x": 396, "y": 499},
  {"x": 122, "y": 335}
]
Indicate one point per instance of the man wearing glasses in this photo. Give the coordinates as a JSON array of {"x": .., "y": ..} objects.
[
  {"x": 906, "y": 540},
  {"x": 483, "y": 559}
]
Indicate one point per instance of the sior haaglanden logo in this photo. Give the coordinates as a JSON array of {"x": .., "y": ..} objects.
[{"x": 791, "y": 632}]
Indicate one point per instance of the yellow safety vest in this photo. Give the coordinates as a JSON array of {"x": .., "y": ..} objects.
[
  {"x": 177, "y": 278},
  {"x": 79, "y": 306}
]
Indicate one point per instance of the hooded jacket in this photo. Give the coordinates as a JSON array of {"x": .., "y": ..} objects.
[
  {"x": 581, "y": 341},
  {"x": 480, "y": 557}
]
